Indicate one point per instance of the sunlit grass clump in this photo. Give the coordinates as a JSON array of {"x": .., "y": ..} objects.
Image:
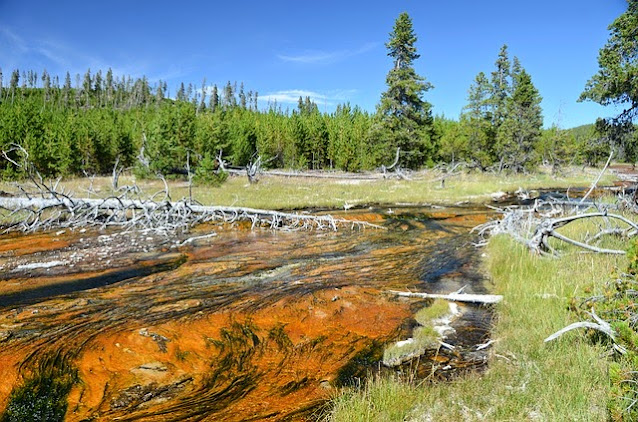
[
  {"x": 424, "y": 336},
  {"x": 438, "y": 309}
]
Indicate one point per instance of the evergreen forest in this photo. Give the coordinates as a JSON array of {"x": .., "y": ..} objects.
[{"x": 85, "y": 124}]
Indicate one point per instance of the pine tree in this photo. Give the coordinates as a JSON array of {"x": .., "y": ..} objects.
[
  {"x": 97, "y": 87},
  {"x": 189, "y": 93},
  {"x": 66, "y": 89},
  {"x": 616, "y": 82},
  {"x": 202, "y": 102},
  {"x": 86, "y": 88},
  {"x": 214, "y": 99},
  {"x": 500, "y": 87},
  {"x": 521, "y": 128},
  {"x": 159, "y": 93},
  {"x": 46, "y": 85},
  {"x": 181, "y": 92},
  {"x": 476, "y": 122},
  {"x": 242, "y": 96},
  {"x": 229, "y": 96},
  {"x": 404, "y": 119},
  {"x": 13, "y": 83},
  {"x": 110, "y": 89}
]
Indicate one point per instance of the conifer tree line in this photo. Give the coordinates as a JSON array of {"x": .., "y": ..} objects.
[
  {"x": 84, "y": 124},
  {"x": 84, "y": 127}
]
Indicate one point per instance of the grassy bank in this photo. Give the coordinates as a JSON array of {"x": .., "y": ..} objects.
[
  {"x": 290, "y": 193},
  {"x": 566, "y": 380}
]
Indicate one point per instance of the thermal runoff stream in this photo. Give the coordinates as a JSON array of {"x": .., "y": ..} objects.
[{"x": 248, "y": 324}]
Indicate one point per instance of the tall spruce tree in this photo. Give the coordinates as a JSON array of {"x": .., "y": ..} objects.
[
  {"x": 521, "y": 128},
  {"x": 477, "y": 123},
  {"x": 214, "y": 99},
  {"x": 404, "y": 118},
  {"x": 13, "y": 83},
  {"x": 109, "y": 86},
  {"x": 86, "y": 88},
  {"x": 66, "y": 89},
  {"x": 501, "y": 89},
  {"x": 181, "y": 92}
]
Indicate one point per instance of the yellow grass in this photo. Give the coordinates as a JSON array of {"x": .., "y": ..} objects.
[{"x": 293, "y": 193}]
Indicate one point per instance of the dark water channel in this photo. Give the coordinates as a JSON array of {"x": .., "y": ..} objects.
[{"x": 247, "y": 325}]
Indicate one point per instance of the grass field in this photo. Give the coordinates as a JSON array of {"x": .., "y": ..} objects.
[{"x": 274, "y": 192}]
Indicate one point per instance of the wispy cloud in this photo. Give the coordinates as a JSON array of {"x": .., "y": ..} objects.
[
  {"x": 58, "y": 57},
  {"x": 291, "y": 96},
  {"x": 325, "y": 57},
  {"x": 13, "y": 39}
]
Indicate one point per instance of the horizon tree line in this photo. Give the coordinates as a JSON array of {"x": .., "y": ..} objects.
[{"x": 84, "y": 127}]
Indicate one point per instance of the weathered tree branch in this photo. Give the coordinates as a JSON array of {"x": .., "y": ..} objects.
[
  {"x": 454, "y": 297},
  {"x": 593, "y": 186}
]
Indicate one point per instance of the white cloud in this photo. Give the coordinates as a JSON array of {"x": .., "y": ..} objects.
[
  {"x": 291, "y": 96},
  {"x": 325, "y": 57}
]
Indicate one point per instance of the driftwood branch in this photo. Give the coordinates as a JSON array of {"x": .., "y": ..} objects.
[
  {"x": 534, "y": 226},
  {"x": 600, "y": 325},
  {"x": 396, "y": 160},
  {"x": 454, "y": 297},
  {"x": 582, "y": 324},
  {"x": 593, "y": 186},
  {"x": 163, "y": 216}
]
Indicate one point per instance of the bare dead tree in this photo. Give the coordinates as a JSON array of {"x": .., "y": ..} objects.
[
  {"x": 161, "y": 217},
  {"x": 220, "y": 161},
  {"x": 252, "y": 169},
  {"x": 117, "y": 171},
  {"x": 190, "y": 176},
  {"x": 141, "y": 157},
  {"x": 398, "y": 171}
]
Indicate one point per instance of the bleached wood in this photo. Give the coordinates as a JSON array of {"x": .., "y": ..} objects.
[
  {"x": 455, "y": 297},
  {"x": 172, "y": 213},
  {"x": 583, "y": 324}
]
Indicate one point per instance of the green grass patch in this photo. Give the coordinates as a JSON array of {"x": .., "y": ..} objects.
[
  {"x": 615, "y": 301},
  {"x": 424, "y": 336},
  {"x": 438, "y": 309}
]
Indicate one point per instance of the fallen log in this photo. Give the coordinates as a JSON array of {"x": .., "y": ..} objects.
[
  {"x": 454, "y": 297},
  {"x": 64, "y": 211}
]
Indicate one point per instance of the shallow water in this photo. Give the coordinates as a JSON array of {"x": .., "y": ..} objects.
[{"x": 245, "y": 325}]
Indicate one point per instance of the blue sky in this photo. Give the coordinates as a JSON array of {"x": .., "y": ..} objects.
[{"x": 330, "y": 50}]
